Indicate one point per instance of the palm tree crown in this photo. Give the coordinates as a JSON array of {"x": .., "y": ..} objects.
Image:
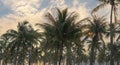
[
  {"x": 95, "y": 30},
  {"x": 62, "y": 29},
  {"x": 22, "y": 41}
]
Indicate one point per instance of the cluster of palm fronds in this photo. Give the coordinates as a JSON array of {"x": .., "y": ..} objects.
[{"x": 64, "y": 40}]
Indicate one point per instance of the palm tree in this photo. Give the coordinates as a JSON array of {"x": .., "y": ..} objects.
[
  {"x": 113, "y": 4},
  {"x": 85, "y": 59},
  {"x": 21, "y": 42},
  {"x": 62, "y": 31},
  {"x": 3, "y": 44},
  {"x": 117, "y": 52},
  {"x": 116, "y": 36},
  {"x": 117, "y": 44},
  {"x": 95, "y": 30},
  {"x": 79, "y": 53},
  {"x": 102, "y": 54},
  {"x": 107, "y": 54}
]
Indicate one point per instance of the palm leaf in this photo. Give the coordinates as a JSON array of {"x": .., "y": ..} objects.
[{"x": 99, "y": 7}]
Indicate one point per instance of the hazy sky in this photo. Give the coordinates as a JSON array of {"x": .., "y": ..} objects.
[
  {"x": 14, "y": 11},
  {"x": 5, "y": 6}
]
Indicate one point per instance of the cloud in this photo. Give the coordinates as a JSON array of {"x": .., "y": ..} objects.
[
  {"x": 21, "y": 10},
  {"x": 57, "y": 3},
  {"x": 80, "y": 9},
  {"x": 75, "y": 3},
  {"x": 30, "y": 10},
  {"x": 10, "y": 21},
  {"x": 23, "y": 7},
  {"x": 5, "y": 25}
]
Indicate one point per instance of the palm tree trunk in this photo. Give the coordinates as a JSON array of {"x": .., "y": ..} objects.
[
  {"x": 61, "y": 51},
  {"x": 44, "y": 63},
  {"x": 14, "y": 62},
  {"x": 117, "y": 62},
  {"x": 15, "y": 59},
  {"x": 29, "y": 62},
  {"x": 56, "y": 52},
  {"x": 1, "y": 62},
  {"x": 69, "y": 60},
  {"x": 111, "y": 38},
  {"x": 99, "y": 64},
  {"x": 29, "y": 59},
  {"x": 93, "y": 53},
  {"x": 106, "y": 63},
  {"x": 91, "y": 56}
]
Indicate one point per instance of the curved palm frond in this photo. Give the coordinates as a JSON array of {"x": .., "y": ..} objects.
[{"x": 102, "y": 5}]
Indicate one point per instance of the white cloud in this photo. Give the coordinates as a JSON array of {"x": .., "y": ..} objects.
[
  {"x": 58, "y": 3},
  {"x": 21, "y": 10},
  {"x": 10, "y": 21},
  {"x": 5, "y": 25},
  {"x": 80, "y": 9},
  {"x": 23, "y": 7},
  {"x": 75, "y": 3},
  {"x": 29, "y": 10}
]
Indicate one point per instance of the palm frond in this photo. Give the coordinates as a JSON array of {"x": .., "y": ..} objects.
[
  {"x": 50, "y": 18},
  {"x": 118, "y": 1},
  {"x": 83, "y": 21},
  {"x": 64, "y": 14},
  {"x": 103, "y": 0},
  {"x": 102, "y": 5},
  {"x": 59, "y": 14}
]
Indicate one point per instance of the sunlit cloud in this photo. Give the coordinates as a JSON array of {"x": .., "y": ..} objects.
[
  {"x": 23, "y": 7},
  {"x": 31, "y": 11}
]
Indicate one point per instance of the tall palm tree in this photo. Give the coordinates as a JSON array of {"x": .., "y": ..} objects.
[
  {"x": 95, "y": 30},
  {"x": 3, "y": 44},
  {"x": 113, "y": 4},
  {"x": 62, "y": 30},
  {"x": 85, "y": 59},
  {"x": 116, "y": 45},
  {"x": 102, "y": 55},
  {"x": 79, "y": 53},
  {"x": 107, "y": 54},
  {"x": 21, "y": 42},
  {"x": 116, "y": 36},
  {"x": 117, "y": 52}
]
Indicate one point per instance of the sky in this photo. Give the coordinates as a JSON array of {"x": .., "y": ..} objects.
[{"x": 14, "y": 11}]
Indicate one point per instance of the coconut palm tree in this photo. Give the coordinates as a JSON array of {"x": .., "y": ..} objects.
[
  {"x": 113, "y": 4},
  {"x": 3, "y": 44},
  {"x": 21, "y": 42},
  {"x": 117, "y": 44},
  {"x": 116, "y": 36},
  {"x": 62, "y": 31},
  {"x": 102, "y": 55},
  {"x": 107, "y": 54},
  {"x": 79, "y": 53},
  {"x": 85, "y": 59},
  {"x": 95, "y": 30},
  {"x": 117, "y": 52}
]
